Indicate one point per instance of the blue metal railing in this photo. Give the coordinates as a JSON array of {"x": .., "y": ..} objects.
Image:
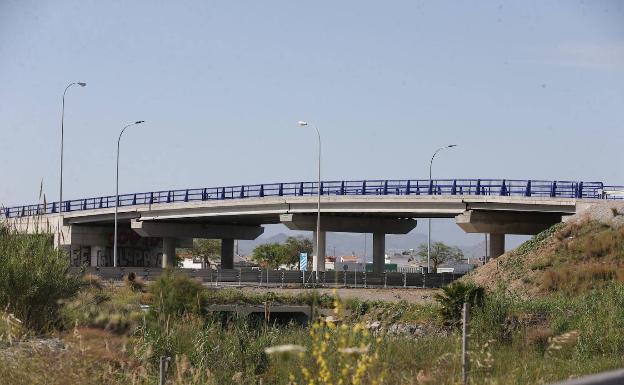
[{"x": 490, "y": 187}]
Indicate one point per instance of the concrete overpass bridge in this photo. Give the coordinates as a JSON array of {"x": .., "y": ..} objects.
[{"x": 153, "y": 224}]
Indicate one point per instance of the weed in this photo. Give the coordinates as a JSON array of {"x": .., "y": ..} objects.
[
  {"x": 453, "y": 298},
  {"x": 175, "y": 294},
  {"x": 34, "y": 278}
]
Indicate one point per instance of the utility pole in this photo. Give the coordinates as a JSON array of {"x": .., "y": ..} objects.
[{"x": 465, "y": 341}]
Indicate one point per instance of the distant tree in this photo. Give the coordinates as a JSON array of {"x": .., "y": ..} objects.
[
  {"x": 270, "y": 254},
  {"x": 209, "y": 250},
  {"x": 440, "y": 253},
  {"x": 294, "y": 247},
  {"x": 275, "y": 254}
]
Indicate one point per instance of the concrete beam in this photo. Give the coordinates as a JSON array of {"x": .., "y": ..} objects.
[
  {"x": 506, "y": 222},
  {"x": 192, "y": 230},
  {"x": 341, "y": 224}
]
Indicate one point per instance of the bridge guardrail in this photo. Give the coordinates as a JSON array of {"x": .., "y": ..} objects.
[{"x": 499, "y": 187}]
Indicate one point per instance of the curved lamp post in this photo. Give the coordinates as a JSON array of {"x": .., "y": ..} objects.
[
  {"x": 429, "y": 232},
  {"x": 81, "y": 84},
  {"x": 117, "y": 192},
  {"x": 318, "y": 206}
]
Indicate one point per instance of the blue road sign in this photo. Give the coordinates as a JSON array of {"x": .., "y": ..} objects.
[{"x": 303, "y": 261}]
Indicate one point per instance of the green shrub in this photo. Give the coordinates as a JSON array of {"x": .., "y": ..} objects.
[
  {"x": 453, "y": 297},
  {"x": 34, "y": 278},
  {"x": 116, "y": 309},
  {"x": 176, "y": 294},
  {"x": 491, "y": 319}
]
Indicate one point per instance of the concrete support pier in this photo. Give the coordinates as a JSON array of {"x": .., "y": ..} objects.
[
  {"x": 318, "y": 256},
  {"x": 227, "y": 253},
  {"x": 379, "y": 252},
  {"x": 497, "y": 245},
  {"x": 168, "y": 256}
]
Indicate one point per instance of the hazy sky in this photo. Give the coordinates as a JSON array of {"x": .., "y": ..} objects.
[{"x": 529, "y": 89}]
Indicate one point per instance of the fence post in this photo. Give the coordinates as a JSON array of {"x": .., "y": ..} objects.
[
  {"x": 240, "y": 273},
  {"x": 364, "y": 273},
  {"x": 424, "y": 276},
  {"x": 404, "y": 279},
  {"x": 344, "y": 275},
  {"x": 217, "y": 281},
  {"x": 260, "y": 282},
  {"x": 282, "y": 286},
  {"x": 465, "y": 341},
  {"x": 385, "y": 280},
  {"x": 164, "y": 363}
]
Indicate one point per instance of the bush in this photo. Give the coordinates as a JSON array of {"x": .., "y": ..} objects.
[
  {"x": 453, "y": 297},
  {"x": 34, "y": 278},
  {"x": 134, "y": 283},
  {"x": 116, "y": 309},
  {"x": 176, "y": 294}
]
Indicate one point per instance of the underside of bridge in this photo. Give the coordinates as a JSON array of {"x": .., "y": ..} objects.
[
  {"x": 378, "y": 226},
  {"x": 499, "y": 223},
  {"x": 148, "y": 236}
]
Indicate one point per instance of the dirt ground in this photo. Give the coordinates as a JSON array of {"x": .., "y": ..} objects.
[{"x": 413, "y": 295}]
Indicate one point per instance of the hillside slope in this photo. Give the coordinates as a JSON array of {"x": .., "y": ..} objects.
[{"x": 584, "y": 252}]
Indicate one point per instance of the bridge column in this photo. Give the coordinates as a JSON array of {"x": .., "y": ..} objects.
[
  {"x": 318, "y": 256},
  {"x": 97, "y": 254},
  {"x": 379, "y": 252},
  {"x": 227, "y": 253},
  {"x": 168, "y": 256},
  {"x": 497, "y": 245}
]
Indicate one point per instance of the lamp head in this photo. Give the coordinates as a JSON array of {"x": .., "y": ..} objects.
[
  {"x": 451, "y": 145},
  {"x": 139, "y": 122},
  {"x": 301, "y": 123},
  {"x": 81, "y": 84}
]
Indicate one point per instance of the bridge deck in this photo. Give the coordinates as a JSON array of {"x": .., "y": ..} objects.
[{"x": 412, "y": 188}]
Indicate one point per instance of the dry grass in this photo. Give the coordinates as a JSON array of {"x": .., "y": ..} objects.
[
  {"x": 573, "y": 258},
  {"x": 93, "y": 281},
  {"x": 581, "y": 277}
]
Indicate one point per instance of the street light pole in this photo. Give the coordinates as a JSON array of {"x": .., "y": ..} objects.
[
  {"x": 60, "y": 223},
  {"x": 429, "y": 231},
  {"x": 318, "y": 206},
  {"x": 117, "y": 192}
]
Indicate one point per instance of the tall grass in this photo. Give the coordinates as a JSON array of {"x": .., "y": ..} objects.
[
  {"x": 175, "y": 294},
  {"x": 34, "y": 278},
  {"x": 514, "y": 341}
]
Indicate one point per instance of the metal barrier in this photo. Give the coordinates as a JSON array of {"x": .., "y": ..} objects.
[
  {"x": 615, "y": 377},
  {"x": 282, "y": 278},
  {"x": 499, "y": 187}
]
